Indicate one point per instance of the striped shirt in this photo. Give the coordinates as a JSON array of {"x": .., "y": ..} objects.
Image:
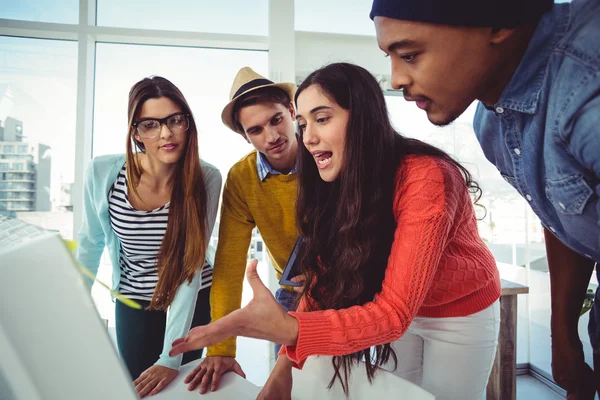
[{"x": 141, "y": 234}]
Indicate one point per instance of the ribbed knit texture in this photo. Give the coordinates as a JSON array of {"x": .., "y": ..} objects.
[
  {"x": 438, "y": 267},
  {"x": 247, "y": 202},
  {"x": 494, "y": 14}
]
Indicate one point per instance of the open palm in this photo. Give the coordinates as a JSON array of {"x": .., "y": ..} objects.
[{"x": 262, "y": 318}]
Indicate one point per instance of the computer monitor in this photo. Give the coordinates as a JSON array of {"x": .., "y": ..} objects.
[{"x": 53, "y": 343}]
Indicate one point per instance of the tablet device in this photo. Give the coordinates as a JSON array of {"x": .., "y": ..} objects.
[{"x": 292, "y": 268}]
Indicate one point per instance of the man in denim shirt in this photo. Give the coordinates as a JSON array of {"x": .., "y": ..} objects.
[{"x": 535, "y": 68}]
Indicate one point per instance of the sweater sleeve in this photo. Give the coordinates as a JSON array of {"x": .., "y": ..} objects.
[
  {"x": 91, "y": 238},
  {"x": 283, "y": 351},
  {"x": 235, "y": 231},
  {"x": 424, "y": 213}
]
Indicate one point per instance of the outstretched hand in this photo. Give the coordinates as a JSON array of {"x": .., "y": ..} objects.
[{"x": 262, "y": 318}]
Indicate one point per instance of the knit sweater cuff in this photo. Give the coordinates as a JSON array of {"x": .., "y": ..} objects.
[
  {"x": 314, "y": 335},
  {"x": 226, "y": 348}
]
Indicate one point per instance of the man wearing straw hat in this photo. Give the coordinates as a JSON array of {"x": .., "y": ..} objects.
[{"x": 260, "y": 191}]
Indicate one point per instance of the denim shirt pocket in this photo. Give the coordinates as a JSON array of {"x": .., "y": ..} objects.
[{"x": 569, "y": 195}]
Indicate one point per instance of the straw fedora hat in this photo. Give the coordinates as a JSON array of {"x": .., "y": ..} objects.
[{"x": 244, "y": 82}]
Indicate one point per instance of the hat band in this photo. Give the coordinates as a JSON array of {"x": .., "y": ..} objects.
[{"x": 252, "y": 84}]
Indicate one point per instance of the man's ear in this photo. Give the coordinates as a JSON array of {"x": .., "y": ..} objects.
[
  {"x": 501, "y": 35},
  {"x": 292, "y": 111}
]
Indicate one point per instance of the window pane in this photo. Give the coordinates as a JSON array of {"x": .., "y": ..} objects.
[
  {"x": 351, "y": 16},
  {"x": 240, "y": 17},
  {"x": 205, "y": 79},
  {"x": 63, "y": 11},
  {"x": 38, "y": 89}
]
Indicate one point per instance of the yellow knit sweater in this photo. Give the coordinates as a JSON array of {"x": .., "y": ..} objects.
[{"x": 269, "y": 205}]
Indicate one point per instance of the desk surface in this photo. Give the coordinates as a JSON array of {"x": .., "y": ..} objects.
[
  {"x": 232, "y": 386},
  {"x": 510, "y": 288}
]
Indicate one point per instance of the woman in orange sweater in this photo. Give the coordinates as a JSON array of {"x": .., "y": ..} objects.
[{"x": 391, "y": 253}]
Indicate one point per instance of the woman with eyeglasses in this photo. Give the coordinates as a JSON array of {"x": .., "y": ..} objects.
[{"x": 154, "y": 208}]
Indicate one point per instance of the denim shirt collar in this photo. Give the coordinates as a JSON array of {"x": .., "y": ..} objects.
[
  {"x": 264, "y": 168},
  {"x": 523, "y": 91}
]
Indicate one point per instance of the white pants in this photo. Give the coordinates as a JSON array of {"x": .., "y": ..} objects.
[{"x": 450, "y": 357}]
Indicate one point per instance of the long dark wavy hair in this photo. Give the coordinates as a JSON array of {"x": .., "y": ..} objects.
[{"x": 348, "y": 225}]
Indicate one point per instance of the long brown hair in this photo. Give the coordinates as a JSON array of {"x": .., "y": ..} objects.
[
  {"x": 348, "y": 225},
  {"x": 183, "y": 249}
]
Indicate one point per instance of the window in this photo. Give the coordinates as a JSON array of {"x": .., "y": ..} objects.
[
  {"x": 333, "y": 16},
  {"x": 204, "y": 79},
  {"x": 38, "y": 81},
  {"x": 16, "y": 176},
  {"x": 63, "y": 11},
  {"x": 17, "y": 206},
  {"x": 15, "y": 156},
  {"x": 15, "y": 185},
  {"x": 239, "y": 17},
  {"x": 19, "y": 195},
  {"x": 38, "y": 89}
]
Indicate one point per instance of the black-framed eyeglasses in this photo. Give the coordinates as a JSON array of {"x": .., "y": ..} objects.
[{"x": 149, "y": 128}]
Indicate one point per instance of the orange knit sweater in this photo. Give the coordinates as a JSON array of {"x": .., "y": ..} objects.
[{"x": 438, "y": 267}]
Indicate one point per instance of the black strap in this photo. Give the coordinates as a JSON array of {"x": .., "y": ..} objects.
[{"x": 252, "y": 84}]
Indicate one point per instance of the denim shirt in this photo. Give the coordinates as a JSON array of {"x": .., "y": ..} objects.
[{"x": 543, "y": 135}]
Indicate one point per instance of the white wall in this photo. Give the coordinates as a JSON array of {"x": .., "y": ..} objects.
[{"x": 313, "y": 50}]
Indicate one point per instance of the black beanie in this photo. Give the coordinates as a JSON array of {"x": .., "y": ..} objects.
[{"x": 475, "y": 13}]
